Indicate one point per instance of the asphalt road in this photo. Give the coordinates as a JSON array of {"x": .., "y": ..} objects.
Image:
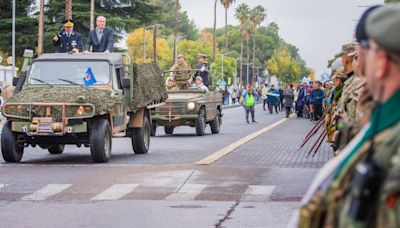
[{"x": 256, "y": 185}]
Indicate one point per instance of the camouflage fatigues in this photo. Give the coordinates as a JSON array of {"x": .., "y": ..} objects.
[
  {"x": 348, "y": 101},
  {"x": 329, "y": 203},
  {"x": 181, "y": 77}
]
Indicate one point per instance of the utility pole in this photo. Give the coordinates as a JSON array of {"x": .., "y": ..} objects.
[
  {"x": 91, "y": 14},
  {"x": 155, "y": 44},
  {"x": 40, "y": 28},
  {"x": 144, "y": 44},
  {"x": 176, "y": 29},
  {"x": 13, "y": 39}
]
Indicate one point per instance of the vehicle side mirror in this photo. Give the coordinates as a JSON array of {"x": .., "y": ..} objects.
[{"x": 126, "y": 83}]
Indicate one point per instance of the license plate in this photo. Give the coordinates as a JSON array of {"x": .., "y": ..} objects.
[
  {"x": 45, "y": 128},
  {"x": 45, "y": 120}
]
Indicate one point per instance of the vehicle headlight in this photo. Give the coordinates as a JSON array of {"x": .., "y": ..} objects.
[{"x": 191, "y": 105}]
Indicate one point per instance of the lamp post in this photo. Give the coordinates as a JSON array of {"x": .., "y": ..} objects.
[
  {"x": 13, "y": 39},
  {"x": 144, "y": 41}
]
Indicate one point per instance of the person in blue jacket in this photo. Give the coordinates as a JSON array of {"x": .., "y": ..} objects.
[
  {"x": 317, "y": 98},
  {"x": 273, "y": 99}
]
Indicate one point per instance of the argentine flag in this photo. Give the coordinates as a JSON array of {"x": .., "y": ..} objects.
[{"x": 89, "y": 78}]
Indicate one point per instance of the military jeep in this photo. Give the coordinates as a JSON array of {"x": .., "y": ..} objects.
[
  {"x": 191, "y": 107},
  {"x": 56, "y": 107}
]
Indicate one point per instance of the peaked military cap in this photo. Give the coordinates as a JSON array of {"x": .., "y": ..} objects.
[{"x": 68, "y": 23}]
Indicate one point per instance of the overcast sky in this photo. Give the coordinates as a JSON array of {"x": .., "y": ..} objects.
[{"x": 317, "y": 27}]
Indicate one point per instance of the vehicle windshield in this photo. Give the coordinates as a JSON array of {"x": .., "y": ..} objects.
[{"x": 68, "y": 72}]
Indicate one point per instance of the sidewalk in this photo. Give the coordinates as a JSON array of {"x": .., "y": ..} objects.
[{"x": 279, "y": 148}]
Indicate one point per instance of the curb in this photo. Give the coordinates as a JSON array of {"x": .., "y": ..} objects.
[{"x": 231, "y": 106}]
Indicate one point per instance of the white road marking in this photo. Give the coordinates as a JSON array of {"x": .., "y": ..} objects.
[
  {"x": 115, "y": 192},
  {"x": 258, "y": 192},
  {"x": 260, "y": 189},
  {"x": 226, "y": 150},
  {"x": 2, "y": 185},
  {"x": 46, "y": 192},
  {"x": 187, "y": 192}
]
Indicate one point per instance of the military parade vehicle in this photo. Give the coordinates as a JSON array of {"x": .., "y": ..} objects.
[
  {"x": 82, "y": 99},
  {"x": 189, "y": 107}
]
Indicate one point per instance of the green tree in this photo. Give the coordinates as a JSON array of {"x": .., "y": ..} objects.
[
  {"x": 273, "y": 26},
  {"x": 284, "y": 66},
  {"x": 226, "y": 4},
  {"x": 187, "y": 27},
  {"x": 26, "y": 27}
]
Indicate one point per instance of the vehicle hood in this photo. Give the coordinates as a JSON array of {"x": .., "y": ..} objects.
[
  {"x": 179, "y": 97},
  {"x": 101, "y": 99}
]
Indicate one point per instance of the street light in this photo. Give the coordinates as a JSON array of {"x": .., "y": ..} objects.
[
  {"x": 13, "y": 39},
  {"x": 144, "y": 39},
  {"x": 247, "y": 71}
]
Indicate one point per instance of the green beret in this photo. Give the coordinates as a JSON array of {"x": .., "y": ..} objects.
[{"x": 383, "y": 26}]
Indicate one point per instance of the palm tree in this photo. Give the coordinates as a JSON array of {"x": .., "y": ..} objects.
[
  {"x": 242, "y": 15},
  {"x": 257, "y": 17},
  {"x": 215, "y": 29},
  {"x": 68, "y": 9},
  {"x": 226, "y": 4},
  {"x": 91, "y": 14}
]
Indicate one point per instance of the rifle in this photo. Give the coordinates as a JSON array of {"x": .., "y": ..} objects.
[
  {"x": 313, "y": 131},
  {"x": 319, "y": 143}
]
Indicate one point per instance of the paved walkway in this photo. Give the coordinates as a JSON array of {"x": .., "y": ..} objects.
[{"x": 279, "y": 148}]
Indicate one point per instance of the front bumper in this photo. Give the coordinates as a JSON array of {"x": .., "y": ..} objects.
[{"x": 48, "y": 129}]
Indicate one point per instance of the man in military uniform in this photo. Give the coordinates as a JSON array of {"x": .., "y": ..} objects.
[
  {"x": 182, "y": 78},
  {"x": 348, "y": 101},
  {"x": 203, "y": 69},
  {"x": 67, "y": 40},
  {"x": 171, "y": 85},
  {"x": 331, "y": 116},
  {"x": 361, "y": 186}
]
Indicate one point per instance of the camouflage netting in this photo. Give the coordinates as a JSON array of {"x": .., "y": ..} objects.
[
  {"x": 148, "y": 85},
  {"x": 101, "y": 99}
]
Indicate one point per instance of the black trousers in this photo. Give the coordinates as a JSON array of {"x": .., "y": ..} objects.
[
  {"x": 317, "y": 111},
  {"x": 272, "y": 105},
  {"x": 251, "y": 111},
  {"x": 288, "y": 111}
]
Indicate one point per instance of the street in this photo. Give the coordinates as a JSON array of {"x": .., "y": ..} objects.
[{"x": 257, "y": 184}]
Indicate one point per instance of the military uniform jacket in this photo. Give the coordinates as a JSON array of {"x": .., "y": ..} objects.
[
  {"x": 68, "y": 44},
  {"x": 327, "y": 202},
  {"x": 348, "y": 102}
]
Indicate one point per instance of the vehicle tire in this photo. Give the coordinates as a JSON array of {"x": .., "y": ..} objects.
[
  {"x": 169, "y": 130},
  {"x": 141, "y": 138},
  {"x": 216, "y": 124},
  {"x": 12, "y": 152},
  {"x": 153, "y": 130},
  {"x": 58, "y": 149},
  {"x": 201, "y": 123},
  {"x": 100, "y": 140}
]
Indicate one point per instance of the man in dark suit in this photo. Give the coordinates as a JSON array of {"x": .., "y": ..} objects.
[
  {"x": 67, "y": 40},
  {"x": 101, "y": 38}
]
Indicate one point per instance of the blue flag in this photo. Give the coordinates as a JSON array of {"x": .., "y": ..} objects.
[{"x": 89, "y": 78}]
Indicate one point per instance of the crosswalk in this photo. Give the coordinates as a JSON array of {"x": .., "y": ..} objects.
[{"x": 127, "y": 191}]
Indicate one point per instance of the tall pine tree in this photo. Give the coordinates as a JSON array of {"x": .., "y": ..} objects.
[{"x": 26, "y": 27}]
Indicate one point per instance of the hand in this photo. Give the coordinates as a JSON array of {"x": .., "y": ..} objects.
[
  {"x": 106, "y": 52},
  {"x": 86, "y": 52}
]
